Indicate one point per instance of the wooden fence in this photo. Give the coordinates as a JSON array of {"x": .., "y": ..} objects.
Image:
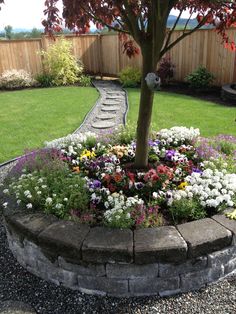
[{"x": 103, "y": 54}]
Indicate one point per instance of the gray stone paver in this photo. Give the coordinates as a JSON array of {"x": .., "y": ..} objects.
[{"x": 112, "y": 102}]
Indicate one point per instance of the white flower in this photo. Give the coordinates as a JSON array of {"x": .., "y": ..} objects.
[
  {"x": 212, "y": 187},
  {"x": 5, "y": 204},
  {"x": 76, "y": 139},
  {"x": 5, "y": 191},
  {"x": 178, "y": 135},
  {"x": 29, "y": 205},
  {"x": 59, "y": 206},
  {"x": 65, "y": 199},
  {"x": 48, "y": 200},
  {"x": 155, "y": 195}
]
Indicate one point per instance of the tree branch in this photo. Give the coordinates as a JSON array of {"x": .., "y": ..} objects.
[
  {"x": 133, "y": 20},
  {"x": 96, "y": 18},
  {"x": 186, "y": 24},
  {"x": 165, "y": 49},
  {"x": 172, "y": 30}
]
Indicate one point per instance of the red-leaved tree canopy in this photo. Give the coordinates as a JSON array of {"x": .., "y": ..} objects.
[{"x": 145, "y": 21}]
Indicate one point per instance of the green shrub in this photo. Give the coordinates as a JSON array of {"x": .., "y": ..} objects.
[
  {"x": 85, "y": 80},
  {"x": 200, "y": 78},
  {"x": 53, "y": 188},
  {"x": 187, "y": 209},
  {"x": 60, "y": 63},
  {"x": 130, "y": 77},
  {"x": 16, "y": 79},
  {"x": 45, "y": 79}
]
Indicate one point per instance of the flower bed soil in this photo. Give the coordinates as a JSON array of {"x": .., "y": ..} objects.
[
  {"x": 213, "y": 94},
  {"x": 123, "y": 263}
]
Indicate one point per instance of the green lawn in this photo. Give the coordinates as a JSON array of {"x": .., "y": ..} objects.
[
  {"x": 30, "y": 117},
  {"x": 178, "y": 110}
]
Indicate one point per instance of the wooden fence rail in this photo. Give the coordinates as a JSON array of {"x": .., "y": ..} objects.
[{"x": 103, "y": 54}]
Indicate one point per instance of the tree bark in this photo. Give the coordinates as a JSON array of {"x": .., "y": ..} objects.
[{"x": 145, "y": 110}]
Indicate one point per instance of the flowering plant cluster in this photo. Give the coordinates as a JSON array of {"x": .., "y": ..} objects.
[
  {"x": 15, "y": 79},
  {"x": 84, "y": 178}
]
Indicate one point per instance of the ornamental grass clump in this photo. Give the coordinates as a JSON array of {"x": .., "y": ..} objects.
[{"x": 85, "y": 178}]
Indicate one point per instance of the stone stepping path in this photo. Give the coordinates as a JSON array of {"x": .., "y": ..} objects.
[{"x": 109, "y": 111}]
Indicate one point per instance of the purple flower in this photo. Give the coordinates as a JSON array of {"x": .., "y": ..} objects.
[
  {"x": 170, "y": 154},
  {"x": 153, "y": 143},
  {"x": 139, "y": 185},
  {"x": 95, "y": 184},
  {"x": 197, "y": 170}
]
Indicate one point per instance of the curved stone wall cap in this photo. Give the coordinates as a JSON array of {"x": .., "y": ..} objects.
[
  {"x": 162, "y": 244},
  {"x": 65, "y": 238},
  {"x": 204, "y": 236},
  {"x": 30, "y": 224},
  {"x": 108, "y": 245}
]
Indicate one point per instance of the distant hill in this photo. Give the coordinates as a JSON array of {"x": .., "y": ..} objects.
[
  {"x": 181, "y": 24},
  {"x": 171, "y": 20}
]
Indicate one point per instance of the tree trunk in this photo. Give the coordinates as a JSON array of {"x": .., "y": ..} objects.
[{"x": 145, "y": 110}]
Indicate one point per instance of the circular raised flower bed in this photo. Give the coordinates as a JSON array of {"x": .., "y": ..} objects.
[
  {"x": 228, "y": 92},
  {"x": 78, "y": 213}
]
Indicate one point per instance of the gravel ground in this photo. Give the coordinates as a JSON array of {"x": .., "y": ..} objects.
[{"x": 19, "y": 285}]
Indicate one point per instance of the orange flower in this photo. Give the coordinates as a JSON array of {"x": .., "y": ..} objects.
[
  {"x": 76, "y": 169},
  {"x": 117, "y": 177}
]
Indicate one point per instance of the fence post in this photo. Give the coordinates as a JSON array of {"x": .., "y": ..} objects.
[{"x": 100, "y": 55}]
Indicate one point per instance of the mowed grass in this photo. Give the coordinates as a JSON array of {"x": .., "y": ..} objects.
[
  {"x": 178, "y": 110},
  {"x": 28, "y": 118}
]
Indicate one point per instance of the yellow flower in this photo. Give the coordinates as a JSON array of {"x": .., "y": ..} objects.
[
  {"x": 182, "y": 185},
  {"x": 87, "y": 154}
]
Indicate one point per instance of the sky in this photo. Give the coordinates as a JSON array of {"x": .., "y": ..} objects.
[
  {"x": 25, "y": 13},
  {"x": 22, "y": 13}
]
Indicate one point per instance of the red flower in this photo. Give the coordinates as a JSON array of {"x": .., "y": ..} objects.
[
  {"x": 112, "y": 188},
  {"x": 131, "y": 176},
  {"x": 107, "y": 178},
  {"x": 117, "y": 177}
]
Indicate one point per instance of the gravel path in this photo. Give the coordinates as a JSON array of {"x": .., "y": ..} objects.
[{"x": 19, "y": 285}]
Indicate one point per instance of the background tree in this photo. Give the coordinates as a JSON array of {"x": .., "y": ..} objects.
[
  {"x": 8, "y": 31},
  {"x": 35, "y": 33},
  {"x": 145, "y": 21}
]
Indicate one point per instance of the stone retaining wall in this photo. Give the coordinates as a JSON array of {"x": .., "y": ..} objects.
[
  {"x": 121, "y": 263},
  {"x": 228, "y": 93}
]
